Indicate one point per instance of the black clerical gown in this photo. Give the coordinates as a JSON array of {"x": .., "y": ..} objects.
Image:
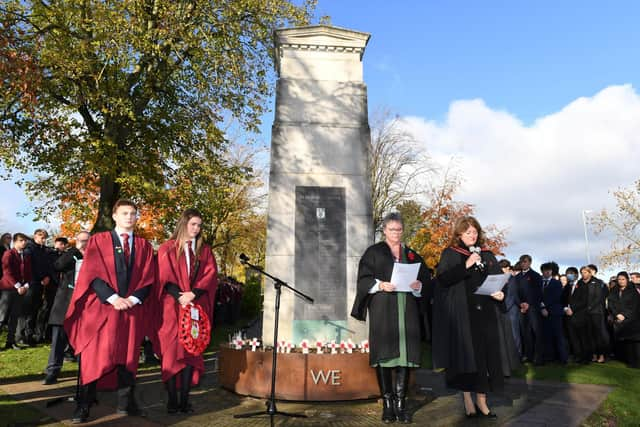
[
  {"x": 471, "y": 339},
  {"x": 384, "y": 335}
]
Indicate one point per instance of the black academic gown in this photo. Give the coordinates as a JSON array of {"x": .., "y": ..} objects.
[
  {"x": 377, "y": 263},
  {"x": 472, "y": 338}
]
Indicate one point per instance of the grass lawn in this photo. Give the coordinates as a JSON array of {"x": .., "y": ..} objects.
[{"x": 622, "y": 406}]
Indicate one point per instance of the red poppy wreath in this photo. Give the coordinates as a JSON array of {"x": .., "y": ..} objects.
[{"x": 194, "y": 330}]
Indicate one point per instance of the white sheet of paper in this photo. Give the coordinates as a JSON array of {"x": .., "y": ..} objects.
[
  {"x": 403, "y": 275},
  {"x": 493, "y": 283}
]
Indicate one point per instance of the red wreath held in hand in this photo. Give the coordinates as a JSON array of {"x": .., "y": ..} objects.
[{"x": 194, "y": 335}]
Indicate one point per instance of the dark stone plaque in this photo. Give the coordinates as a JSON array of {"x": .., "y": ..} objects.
[{"x": 321, "y": 241}]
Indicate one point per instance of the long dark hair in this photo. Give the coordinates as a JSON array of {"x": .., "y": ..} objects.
[{"x": 180, "y": 232}]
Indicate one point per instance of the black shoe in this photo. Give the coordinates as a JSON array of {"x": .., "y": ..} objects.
[
  {"x": 490, "y": 415},
  {"x": 50, "y": 379},
  {"x": 127, "y": 404},
  {"x": 80, "y": 415},
  {"x": 12, "y": 346}
]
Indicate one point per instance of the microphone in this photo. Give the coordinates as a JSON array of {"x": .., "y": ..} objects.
[
  {"x": 477, "y": 250},
  {"x": 243, "y": 258}
]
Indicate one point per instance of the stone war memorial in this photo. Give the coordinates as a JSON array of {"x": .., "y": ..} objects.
[{"x": 319, "y": 219}]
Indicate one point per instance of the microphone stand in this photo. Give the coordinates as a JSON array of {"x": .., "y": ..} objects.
[{"x": 271, "y": 403}]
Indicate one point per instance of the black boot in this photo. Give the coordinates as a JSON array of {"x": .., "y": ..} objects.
[
  {"x": 172, "y": 400},
  {"x": 402, "y": 389},
  {"x": 185, "y": 387},
  {"x": 84, "y": 399},
  {"x": 386, "y": 391}
]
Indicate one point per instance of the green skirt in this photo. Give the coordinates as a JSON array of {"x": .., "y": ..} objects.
[{"x": 401, "y": 360}]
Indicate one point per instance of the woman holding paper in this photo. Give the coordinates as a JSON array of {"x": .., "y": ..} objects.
[
  {"x": 187, "y": 275},
  {"x": 394, "y": 316},
  {"x": 469, "y": 338}
]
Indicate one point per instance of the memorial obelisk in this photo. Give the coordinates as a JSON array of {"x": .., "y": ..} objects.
[{"x": 319, "y": 212}]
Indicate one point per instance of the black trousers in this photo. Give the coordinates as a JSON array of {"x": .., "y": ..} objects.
[
  {"x": 598, "y": 333},
  {"x": 532, "y": 336},
  {"x": 11, "y": 303},
  {"x": 31, "y": 306},
  {"x": 59, "y": 343},
  {"x": 41, "y": 332},
  {"x": 555, "y": 347},
  {"x": 580, "y": 339}
]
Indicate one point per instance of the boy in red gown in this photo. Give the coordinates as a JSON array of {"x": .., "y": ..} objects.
[{"x": 107, "y": 317}]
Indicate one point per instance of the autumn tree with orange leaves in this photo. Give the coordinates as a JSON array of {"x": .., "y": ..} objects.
[{"x": 435, "y": 226}]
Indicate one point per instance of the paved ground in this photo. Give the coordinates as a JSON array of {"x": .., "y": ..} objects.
[{"x": 523, "y": 404}]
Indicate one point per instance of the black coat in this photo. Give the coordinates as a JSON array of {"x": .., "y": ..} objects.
[
  {"x": 41, "y": 265},
  {"x": 453, "y": 347},
  {"x": 578, "y": 301},
  {"x": 377, "y": 263},
  {"x": 66, "y": 266},
  {"x": 626, "y": 303}
]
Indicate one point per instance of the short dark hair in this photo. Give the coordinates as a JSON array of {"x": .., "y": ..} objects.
[
  {"x": 635, "y": 274},
  {"x": 593, "y": 267},
  {"x": 571, "y": 270},
  {"x": 123, "y": 202},
  {"x": 517, "y": 266},
  {"x": 62, "y": 239},
  {"x": 41, "y": 231},
  {"x": 504, "y": 263},
  {"x": 18, "y": 236},
  {"x": 393, "y": 216},
  {"x": 5, "y": 235},
  {"x": 623, "y": 274},
  {"x": 551, "y": 265},
  {"x": 525, "y": 257}
]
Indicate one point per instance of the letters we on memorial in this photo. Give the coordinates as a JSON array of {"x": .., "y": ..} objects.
[{"x": 331, "y": 377}]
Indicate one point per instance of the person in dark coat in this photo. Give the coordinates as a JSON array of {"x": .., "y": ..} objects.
[
  {"x": 468, "y": 340},
  {"x": 553, "y": 314},
  {"x": 67, "y": 265},
  {"x": 530, "y": 285},
  {"x": 624, "y": 314},
  {"x": 394, "y": 317},
  {"x": 41, "y": 277},
  {"x": 512, "y": 302},
  {"x": 577, "y": 312},
  {"x": 598, "y": 292},
  {"x": 16, "y": 276},
  {"x": 571, "y": 274}
]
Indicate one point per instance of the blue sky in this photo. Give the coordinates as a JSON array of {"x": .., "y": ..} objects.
[
  {"x": 529, "y": 57},
  {"x": 541, "y": 82}
]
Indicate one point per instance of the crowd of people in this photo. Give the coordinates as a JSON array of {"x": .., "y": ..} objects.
[
  {"x": 575, "y": 315},
  {"x": 479, "y": 336},
  {"x": 105, "y": 297}
]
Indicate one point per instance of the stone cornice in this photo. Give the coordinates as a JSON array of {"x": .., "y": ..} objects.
[{"x": 320, "y": 38}]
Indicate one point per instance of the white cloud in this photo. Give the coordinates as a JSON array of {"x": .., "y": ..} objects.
[{"x": 536, "y": 179}]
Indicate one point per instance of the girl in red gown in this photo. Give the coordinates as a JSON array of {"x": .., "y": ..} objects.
[{"x": 187, "y": 275}]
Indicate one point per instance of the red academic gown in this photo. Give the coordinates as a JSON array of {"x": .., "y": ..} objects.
[
  {"x": 102, "y": 335},
  {"x": 170, "y": 270}
]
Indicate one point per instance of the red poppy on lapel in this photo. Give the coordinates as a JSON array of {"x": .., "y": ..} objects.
[{"x": 411, "y": 256}]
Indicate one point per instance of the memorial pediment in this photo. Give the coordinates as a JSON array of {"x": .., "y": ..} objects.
[{"x": 321, "y": 37}]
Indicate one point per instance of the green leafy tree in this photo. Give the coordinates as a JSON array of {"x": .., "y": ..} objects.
[{"x": 134, "y": 92}]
